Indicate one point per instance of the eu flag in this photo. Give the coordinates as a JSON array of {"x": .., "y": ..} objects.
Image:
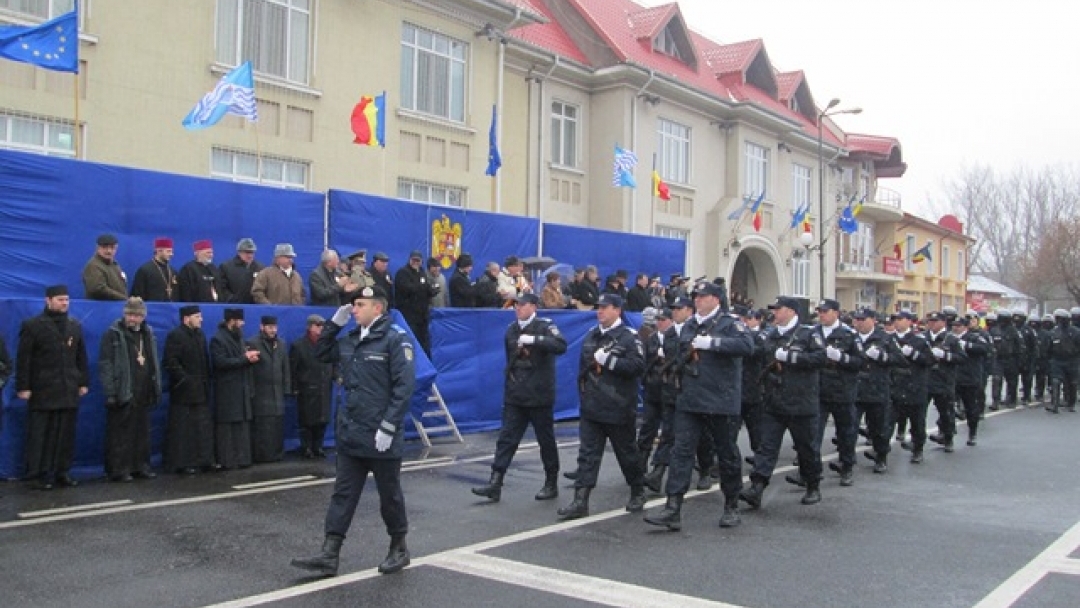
[
  {"x": 53, "y": 45},
  {"x": 494, "y": 158}
]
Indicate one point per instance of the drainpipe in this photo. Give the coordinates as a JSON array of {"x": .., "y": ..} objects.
[
  {"x": 633, "y": 142},
  {"x": 540, "y": 174}
]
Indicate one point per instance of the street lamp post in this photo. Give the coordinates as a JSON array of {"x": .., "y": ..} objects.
[{"x": 821, "y": 188}]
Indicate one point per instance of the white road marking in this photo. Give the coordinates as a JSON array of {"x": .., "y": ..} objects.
[
  {"x": 569, "y": 584},
  {"x": 1054, "y": 558},
  {"x": 76, "y": 509},
  {"x": 272, "y": 482}
]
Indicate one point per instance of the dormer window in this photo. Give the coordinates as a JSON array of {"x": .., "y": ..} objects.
[
  {"x": 665, "y": 43},
  {"x": 794, "y": 105}
]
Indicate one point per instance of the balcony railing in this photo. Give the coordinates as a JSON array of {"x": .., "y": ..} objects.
[{"x": 887, "y": 197}]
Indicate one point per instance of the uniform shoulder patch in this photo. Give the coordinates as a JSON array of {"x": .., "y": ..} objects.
[
  {"x": 407, "y": 347},
  {"x": 553, "y": 329}
]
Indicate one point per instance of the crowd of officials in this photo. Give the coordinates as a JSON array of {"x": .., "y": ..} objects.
[{"x": 701, "y": 370}]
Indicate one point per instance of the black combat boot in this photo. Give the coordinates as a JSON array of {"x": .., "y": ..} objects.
[
  {"x": 326, "y": 562},
  {"x": 705, "y": 481},
  {"x": 636, "y": 504},
  {"x": 551, "y": 487},
  {"x": 571, "y": 475},
  {"x": 730, "y": 518},
  {"x": 494, "y": 488},
  {"x": 670, "y": 515},
  {"x": 812, "y": 496},
  {"x": 881, "y": 464},
  {"x": 917, "y": 457},
  {"x": 397, "y": 557},
  {"x": 795, "y": 479},
  {"x": 973, "y": 437},
  {"x": 847, "y": 476},
  {"x": 752, "y": 496},
  {"x": 578, "y": 508},
  {"x": 655, "y": 477},
  {"x": 1055, "y": 392}
]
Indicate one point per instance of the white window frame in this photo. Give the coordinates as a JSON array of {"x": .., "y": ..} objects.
[
  {"x": 960, "y": 268},
  {"x": 52, "y": 133},
  {"x": 946, "y": 251},
  {"x": 673, "y": 151},
  {"x": 800, "y": 277},
  {"x": 421, "y": 45},
  {"x": 52, "y": 9},
  {"x": 235, "y": 47},
  {"x": 757, "y": 169},
  {"x": 565, "y": 118},
  {"x": 909, "y": 243},
  {"x": 432, "y": 193},
  {"x": 266, "y": 166},
  {"x": 801, "y": 178},
  {"x": 665, "y": 43}
]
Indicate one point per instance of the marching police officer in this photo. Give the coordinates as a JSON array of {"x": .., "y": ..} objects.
[
  {"x": 880, "y": 353},
  {"x": 1010, "y": 353},
  {"x": 1042, "y": 363},
  {"x": 1031, "y": 354},
  {"x": 838, "y": 386},
  {"x": 612, "y": 362},
  {"x": 908, "y": 388},
  {"x": 531, "y": 344},
  {"x": 681, "y": 310},
  {"x": 941, "y": 382},
  {"x": 793, "y": 356},
  {"x": 753, "y": 366},
  {"x": 714, "y": 344},
  {"x": 1064, "y": 350},
  {"x": 376, "y": 364},
  {"x": 969, "y": 374},
  {"x": 996, "y": 337}
]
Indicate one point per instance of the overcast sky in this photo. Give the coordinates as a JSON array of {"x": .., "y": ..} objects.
[{"x": 958, "y": 82}]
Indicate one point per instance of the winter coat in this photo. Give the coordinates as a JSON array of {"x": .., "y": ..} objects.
[
  {"x": 236, "y": 279},
  {"x": 104, "y": 280},
  {"x": 271, "y": 378},
  {"x": 232, "y": 377},
  {"x": 273, "y": 286},
  {"x": 114, "y": 363},
  {"x": 609, "y": 394},
  {"x": 530, "y": 370},
  {"x": 712, "y": 377},
  {"x": 313, "y": 382},
  {"x": 51, "y": 361},
  {"x": 188, "y": 364}
]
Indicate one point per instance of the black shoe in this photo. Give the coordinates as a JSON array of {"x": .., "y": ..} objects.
[
  {"x": 871, "y": 455},
  {"x": 397, "y": 557},
  {"x": 730, "y": 518},
  {"x": 326, "y": 562},
  {"x": 917, "y": 457},
  {"x": 308, "y": 454},
  {"x": 493, "y": 490},
  {"x": 795, "y": 479},
  {"x": 835, "y": 467},
  {"x": 938, "y": 439},
  {"x": 752, "y": 495},
  {"x": 847, "y": 477},
  {"x": 947, "y": 445},
  {"x": 864, "y": 432},
  {"x": 704, "y": 482},
  {"x": 994, "y": 407},
  {"x": 880, "y": 467},
  {"x": 65, "y": 481},
  {"x": 577, "y": 508},
  {"x": 961, "y": 415},
  {"x": 972, "y": 441},
  {"x": 550, "y": 489},
  {"x": 144, "y": 473},
  {"x": 749, "y": 460},
  {"x": 188, "y": 471},
  {"x": 835, "y": 441},
  {"x": 636, "y": 504},
  {"x": 655, "y": 477},
  {"x": 1071, "y": 409},
  {"x": 573, "y": 475},
  {"x": 812, "y": 496},
  {"x": 45, "y": 483},
  {"x": 668, "y": 516},
  {"x": 125, "y": 478},
  {"x": 906, "y": 445},
  {"x": 319, "y": 453}
]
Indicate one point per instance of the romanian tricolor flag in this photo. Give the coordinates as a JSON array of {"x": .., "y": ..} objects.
[
  {"x": 922, "y": 254},
  {"x": 659, "y": 188},
  {"x": 369, "y": 121},
  {"x": 757, "y": 221}
]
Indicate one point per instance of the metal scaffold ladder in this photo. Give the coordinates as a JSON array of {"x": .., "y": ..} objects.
[{"x": 439, "y": 410}]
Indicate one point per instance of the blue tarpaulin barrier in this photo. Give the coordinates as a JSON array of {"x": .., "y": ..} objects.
[{"x": 610, "y": 251}]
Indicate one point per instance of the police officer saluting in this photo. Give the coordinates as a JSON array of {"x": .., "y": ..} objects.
[
  {"x": 711, "y": 347},
  {"x": 532, "y": 344},
  {"x": 610, "y": 369},
  {"x": 838, "y": 386},
  {"x": 376, "y": 365},
  {"x": 872, "y": 384},
  {"x": 794, "y": 355}
]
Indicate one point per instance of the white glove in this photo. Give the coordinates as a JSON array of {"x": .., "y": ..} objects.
[
  {"x": 383, "y": 440},
  {"x": 526, "y": 340},
  {"x": 781, "y": 354},
  {"x": 873, "y": 352},
  {"x": 601, "y": 357},
  {"x": 938, "y": 353},
  {"x": 833, "y": 353},
  {"x": 907, "y": 350},
  {"x": 341, "y": 315},
  {"x": 702, "y": 342}
]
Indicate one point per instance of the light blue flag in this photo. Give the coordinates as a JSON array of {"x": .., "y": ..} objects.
[
  {"x": 623, "y": 176},
  {"x": 234, "y": 94},
  {"x": 53, "y": 45},
  {"x": 737, "y": 213}
]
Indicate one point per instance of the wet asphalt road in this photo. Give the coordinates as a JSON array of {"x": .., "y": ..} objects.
[{"x": 946, "y": 533}]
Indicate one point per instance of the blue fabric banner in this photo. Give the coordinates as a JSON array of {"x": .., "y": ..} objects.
[{"x": 610, "y": 251}]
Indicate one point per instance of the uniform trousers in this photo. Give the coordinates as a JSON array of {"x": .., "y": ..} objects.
[
  {"x": 690, "y": 427},
  {"x": 751, "y": 417},
  {"x": 946, "y": 422},
  {"x": 878, "y": 425},
  {"x": 915, "y": 413},
  {"x": 847, "y": 434},
  {"x": 652, "y": 418},
  {"x": 974, "y": 399},
  {"x": 803, "y": 429},
  {"x": 515, "y": 419},
  {"x": 352, "y": 474},
  {"x": 594, "y": 436}
]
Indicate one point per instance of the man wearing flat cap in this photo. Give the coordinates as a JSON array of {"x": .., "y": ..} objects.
[
  {"x": 838, "y": 385},
  {"x": 610, "y": 369},
  {"x": 51, "y": 375},
  {"x": 412, "y": 297},
  {"x": 313, "y": 381},
  {"x": 462, "y": 288},
  {"x": 376, "y": 364},
  {"x": 199, "y": 279},
  {"x": 794, "y": 355},
  {"x": 131, "y": 380},
  {"x": 872, "y": 398},
  {"x": 710, "y": 399},
  {"x": 239, "y": 273},
  {"x": 532, "y": 345},
  {"x": 908, "y": 388},
  {"x": 102, "y": 277},
  {"x": 948, "y": 352},
  {"x": 156, "y": 280},
  {"x": 271, "y": 381},
  {"x": 281, "y": 283},
  {"x": 380, "y": 275},
  {"x": 232, "y": 361},
  {"x": 357, "y": 275},
  {"x": 189, "y": 438}
]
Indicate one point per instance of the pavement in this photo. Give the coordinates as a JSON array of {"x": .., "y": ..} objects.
[{"x": 990, "y": 526}]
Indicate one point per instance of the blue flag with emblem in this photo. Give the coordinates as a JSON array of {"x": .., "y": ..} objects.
[
  {"x": 53, "y": 45},
  {"x": 494, "y": 158},
  {"x": 233, "y": 94}
]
